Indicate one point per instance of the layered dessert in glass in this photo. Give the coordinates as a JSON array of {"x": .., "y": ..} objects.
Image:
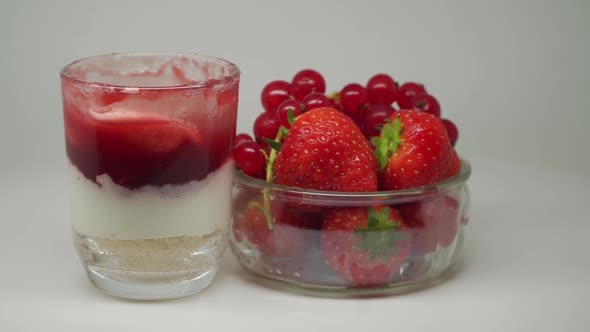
[{"x": 148, "y": 141}]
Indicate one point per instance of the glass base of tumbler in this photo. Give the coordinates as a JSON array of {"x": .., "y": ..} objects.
[
  {"x": 150, "y": 285},
  {"x": 152, "y": 269}
]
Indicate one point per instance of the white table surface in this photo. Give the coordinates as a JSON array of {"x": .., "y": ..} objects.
[{"x": 525, "y": 267}]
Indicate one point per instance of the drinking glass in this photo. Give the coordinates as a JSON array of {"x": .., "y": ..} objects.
[{"x": 148, "y": 140}]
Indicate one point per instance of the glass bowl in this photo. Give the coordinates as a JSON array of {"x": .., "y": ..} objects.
[{"x": 303, "y": 253}]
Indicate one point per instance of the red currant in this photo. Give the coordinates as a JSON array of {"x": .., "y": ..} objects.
[
  {"x": 309, "y": 81},
  {"x": 425, "y": 103},
  {"x": 381, "y": 89},
  {"x": 407, "y": 91},
  {"x": 241, "y": 138},
  {"x": 261, "y": 174},
  {"x": 452, "y": 131},
  {"x": 266, "y": 148},
  {"x": 352, "y": 97},
  {"x": 334, "y": 104},
  {"x": 248, "y": 157},
  {"x": 315, "y": 100},
  {"x": 266, "y": 125},
  {"x": 292, "y": 105},
  {"x": 375, "y": 117},
  {"x": 275, "y": 92}
]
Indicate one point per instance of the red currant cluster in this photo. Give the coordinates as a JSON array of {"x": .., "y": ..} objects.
[
  {"x": 279, "y": 98},
  {"x": 372, "y": 104},
  {"x": 369, "y": 106}
]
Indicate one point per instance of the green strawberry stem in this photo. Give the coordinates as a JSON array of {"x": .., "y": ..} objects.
[
  {"x": 269, "y": 175},
  {"x": 388, "y": 142}
]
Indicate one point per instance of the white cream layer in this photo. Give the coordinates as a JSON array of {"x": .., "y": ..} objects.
[{"x": 115, "y": 212}]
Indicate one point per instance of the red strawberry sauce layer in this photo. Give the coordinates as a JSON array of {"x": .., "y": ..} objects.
[{"x": 137, "y": 147}]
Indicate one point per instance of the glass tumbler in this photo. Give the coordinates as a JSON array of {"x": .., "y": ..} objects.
[{"x": 148, "y": 140}]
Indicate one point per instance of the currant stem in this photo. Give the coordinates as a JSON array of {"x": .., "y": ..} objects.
[{"x": 269, "y": 174}]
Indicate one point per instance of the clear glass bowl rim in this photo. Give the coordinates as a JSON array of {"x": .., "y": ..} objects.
[
  {"x": 319, "y": 197},
  {"x": 234, "y": 72}
]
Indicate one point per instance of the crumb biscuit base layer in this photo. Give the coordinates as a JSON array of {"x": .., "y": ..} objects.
[{"x": 179, "y": 253}]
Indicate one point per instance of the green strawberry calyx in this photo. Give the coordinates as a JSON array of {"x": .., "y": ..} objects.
[
  {"x": 380, "y": 236},
  {"x": 388, "y": 142}
]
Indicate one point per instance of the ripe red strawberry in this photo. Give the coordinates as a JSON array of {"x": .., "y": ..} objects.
[
  {"x": 325, "y": 150},
  {"x": 287, "y": 236},
  {"x": 434, "y": 222},
  {"x": 414, "y": 150},
  {"x": 365, "y": 246}
]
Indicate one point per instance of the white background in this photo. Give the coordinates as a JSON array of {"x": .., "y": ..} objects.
[{"x": 514, "y": 76}]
